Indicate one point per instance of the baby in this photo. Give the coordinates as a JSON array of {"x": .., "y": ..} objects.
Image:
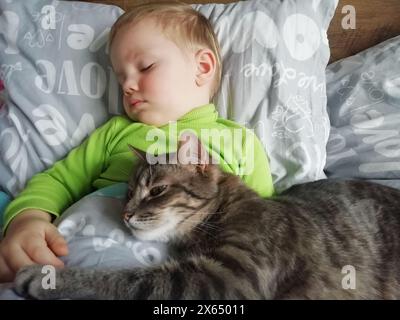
[{"x": 167, "y": 61}]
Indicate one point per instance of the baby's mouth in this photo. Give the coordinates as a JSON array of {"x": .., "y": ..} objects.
[{"x": 136, "y": 103}]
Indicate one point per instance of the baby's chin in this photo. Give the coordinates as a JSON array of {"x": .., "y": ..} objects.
[
  {"x": 155, "y": 119},
  {"x": 152, "y": 121}
]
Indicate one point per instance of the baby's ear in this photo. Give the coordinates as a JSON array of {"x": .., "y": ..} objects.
[
  {"x": 192, "y": 151},
  {"x": 206, "y": 66}
]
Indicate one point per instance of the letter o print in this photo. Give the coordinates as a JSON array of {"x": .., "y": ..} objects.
[{"x": 302, "y": 36}]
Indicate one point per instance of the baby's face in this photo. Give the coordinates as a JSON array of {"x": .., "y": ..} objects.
[{"x": 157, "y": 77}]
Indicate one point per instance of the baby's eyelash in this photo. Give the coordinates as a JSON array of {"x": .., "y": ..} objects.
[{"x": 146, "y": 68}]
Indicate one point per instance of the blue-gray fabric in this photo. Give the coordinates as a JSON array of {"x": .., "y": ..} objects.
[{"x": 364, "y": 110}]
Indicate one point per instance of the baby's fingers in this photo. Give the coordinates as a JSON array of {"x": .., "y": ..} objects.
[
  {"x": 16, "y": 258},
  {"x": 40, "y": 253},
  {"x": 56, "y": 242}
]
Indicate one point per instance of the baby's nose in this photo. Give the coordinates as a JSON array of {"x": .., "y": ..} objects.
[
  {"x": 130, "y": 86},
  {"x": 128, "y": 91}
]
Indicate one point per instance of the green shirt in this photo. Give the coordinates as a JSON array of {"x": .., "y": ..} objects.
[{"x": 104, "y": 159}]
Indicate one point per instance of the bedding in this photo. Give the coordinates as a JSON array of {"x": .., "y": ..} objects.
[
  {"x": 59, "y": 84},
  {"x": 364, "y": 110},
  {"x": 363, "y": 98},
  {"x": 275, "y": 54},
  {"x": 273, "y": 82}
]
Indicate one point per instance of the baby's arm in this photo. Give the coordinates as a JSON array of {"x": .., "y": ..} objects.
[
  {"x": 67, "y": 181},
  {"x": 30, "y": 237}
]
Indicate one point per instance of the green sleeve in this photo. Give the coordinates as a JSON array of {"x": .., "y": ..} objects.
[
  {"x": 256, "y": 172},
  {"x": 67, "y": 180}
]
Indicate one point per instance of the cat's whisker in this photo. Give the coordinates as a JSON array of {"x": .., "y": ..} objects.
[
  {"x": 203, "y": 227},
  {"x": 203, "y": 221},
  {"x": 209, "y": 225},
  {"x": 211, "y": 234}
]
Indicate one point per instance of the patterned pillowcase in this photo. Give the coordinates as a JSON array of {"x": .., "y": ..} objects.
[
  {"x": 275, "y": 54},
  {"x": 55, "y": 67},
  {"x": 363, "y": 105},
  {"x": 60, "y": 86}
]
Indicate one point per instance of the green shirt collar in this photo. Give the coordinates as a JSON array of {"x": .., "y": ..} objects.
[{"x": 203, "y": 114}]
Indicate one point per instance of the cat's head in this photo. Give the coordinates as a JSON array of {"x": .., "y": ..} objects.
[{"x": 168, "y": 200}]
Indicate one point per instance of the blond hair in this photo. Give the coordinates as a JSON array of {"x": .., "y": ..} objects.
[{"x": 182, "y": 24}]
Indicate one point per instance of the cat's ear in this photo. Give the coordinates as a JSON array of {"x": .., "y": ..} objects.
[
  {"x": 139, "y": 153},
  {"x": 144, "y": 156},
  {"x": 192, "y": 151}
]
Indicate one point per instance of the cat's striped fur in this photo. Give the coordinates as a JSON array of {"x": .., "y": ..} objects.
[{"x": 235, "y": 245}]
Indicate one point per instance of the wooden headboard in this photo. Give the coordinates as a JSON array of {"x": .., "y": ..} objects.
[{"x": 376, "y": 21}]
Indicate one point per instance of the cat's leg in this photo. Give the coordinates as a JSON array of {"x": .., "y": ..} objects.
[
  {"x": 192, "y": 278},
  {"x": 197, "y": 277},
  {"x": 68, "y": 283}
]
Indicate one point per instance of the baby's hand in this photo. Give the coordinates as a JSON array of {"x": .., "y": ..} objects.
[{"x": 30, "y": 239}]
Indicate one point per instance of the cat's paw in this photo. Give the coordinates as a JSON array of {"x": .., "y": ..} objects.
[{"x": 29, "y": 283}]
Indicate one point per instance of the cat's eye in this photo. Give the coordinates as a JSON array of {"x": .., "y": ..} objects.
[{"x": 156, "y": 191}]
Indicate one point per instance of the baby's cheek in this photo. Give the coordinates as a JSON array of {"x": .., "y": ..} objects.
[{"x": 156, "y": 85}]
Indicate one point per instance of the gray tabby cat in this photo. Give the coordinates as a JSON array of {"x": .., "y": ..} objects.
[{"x": 235, "y": 245}]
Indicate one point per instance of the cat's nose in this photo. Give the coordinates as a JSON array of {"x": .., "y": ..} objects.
[{"x": 127, "y": 215}]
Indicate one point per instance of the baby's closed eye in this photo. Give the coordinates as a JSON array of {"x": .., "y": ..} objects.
[{"x": 146, "y": 67}]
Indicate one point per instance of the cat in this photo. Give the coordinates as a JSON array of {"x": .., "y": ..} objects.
[{"x": 326, "y": 239}]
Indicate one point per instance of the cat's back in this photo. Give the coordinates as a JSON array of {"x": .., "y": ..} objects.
[
  {"x": 334, "y": 189},
  {"x": 344, "y": 204},
  {"x": 336, "y": 223}
]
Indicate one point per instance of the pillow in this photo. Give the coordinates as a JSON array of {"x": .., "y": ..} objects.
[
  {"x": 363, "y": 105},
  {"x": 60, "y": 85},
  {"x": 275, "y": 54},
  {"x": 97, "y": 236}
]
